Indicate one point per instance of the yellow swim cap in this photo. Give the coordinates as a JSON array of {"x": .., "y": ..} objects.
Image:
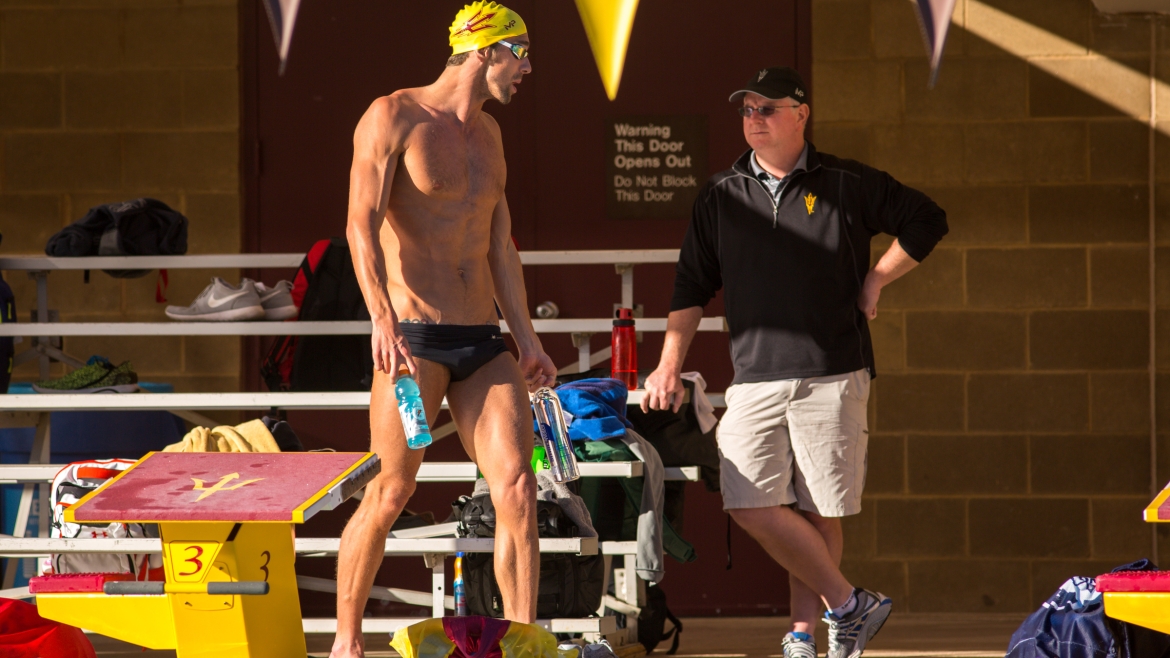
[{"x": 481, "y": 24}]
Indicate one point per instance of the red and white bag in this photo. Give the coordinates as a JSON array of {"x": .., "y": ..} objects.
[{"x": 71, "y": 485}]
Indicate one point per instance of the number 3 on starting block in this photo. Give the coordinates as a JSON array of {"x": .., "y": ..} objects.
[{"x": 190, "y": 561}]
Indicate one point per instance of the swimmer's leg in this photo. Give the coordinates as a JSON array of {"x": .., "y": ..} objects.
[
  {"x": 492, "y": 411},
  {"x": 363, "y": 541}
]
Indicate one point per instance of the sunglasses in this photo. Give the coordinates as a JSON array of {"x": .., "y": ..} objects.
[
  {"x": 518, "y": 51},
  {"x": 764, "y": 111}
]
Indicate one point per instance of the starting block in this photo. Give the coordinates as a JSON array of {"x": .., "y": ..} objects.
[
  {"x": 1141, "y": 597},
  {"x": 226, "y": 523}
]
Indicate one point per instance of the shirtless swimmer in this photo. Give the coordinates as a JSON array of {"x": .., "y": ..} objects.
[{"x": 431, "y": 239}]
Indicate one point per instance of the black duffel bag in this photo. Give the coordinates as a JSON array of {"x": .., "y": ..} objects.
[
  {"x": 570, "y": 585},
  {"x": 140, "y": 227}
]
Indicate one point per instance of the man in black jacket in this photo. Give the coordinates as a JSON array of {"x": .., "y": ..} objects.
[{"x": 786, "y": 234}]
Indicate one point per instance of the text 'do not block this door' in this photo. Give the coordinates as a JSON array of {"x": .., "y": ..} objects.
[{"x": 655, "y": 165}]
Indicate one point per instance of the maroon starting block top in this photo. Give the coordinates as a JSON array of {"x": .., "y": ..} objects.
[
  {"x": 67, "y": 583},
  {"x": 228, "y": 487},
  {"x": 1134, "y": 581},
  {"x": 1159, "y": 509}
]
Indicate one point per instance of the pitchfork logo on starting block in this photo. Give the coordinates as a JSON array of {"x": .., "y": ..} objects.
[{"x": 219, "y": 486}]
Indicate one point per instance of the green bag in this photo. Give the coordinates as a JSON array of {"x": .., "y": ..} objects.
[{"x": 603, "y": 495}]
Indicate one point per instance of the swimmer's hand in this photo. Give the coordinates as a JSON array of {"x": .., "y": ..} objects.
[
  {"x": 538, "y": 370},
  {"x": 389, "y": 348}
]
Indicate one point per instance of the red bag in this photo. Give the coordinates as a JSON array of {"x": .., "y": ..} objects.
[
  {"x": 276, "y": 368},
  {"x": 25, "y": 634}
]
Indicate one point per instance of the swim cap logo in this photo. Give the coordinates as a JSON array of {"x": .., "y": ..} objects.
[
  {"x": 481, "y": 24},
  {"x": 475, "y": 24}
]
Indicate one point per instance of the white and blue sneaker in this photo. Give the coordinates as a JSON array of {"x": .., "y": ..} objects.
[
  {"x": 849, "y": 635},
  {"x": 799, "y": 645}
]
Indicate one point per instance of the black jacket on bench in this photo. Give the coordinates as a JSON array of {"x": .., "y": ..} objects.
[{"x": 792, "y": 271}]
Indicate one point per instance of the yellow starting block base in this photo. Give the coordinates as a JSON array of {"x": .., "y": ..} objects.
[
  {"x": 194, "y": 622},
  {"x": 226, "y": 524},
  {"x": 1148, "y": 609}
]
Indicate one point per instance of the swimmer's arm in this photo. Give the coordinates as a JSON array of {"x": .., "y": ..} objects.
[
  {"x": 378, "y": 142},
  {"x": 508, "y": 280}
]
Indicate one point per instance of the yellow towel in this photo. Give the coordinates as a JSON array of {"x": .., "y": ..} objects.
[{"x": 252, "y": 436}]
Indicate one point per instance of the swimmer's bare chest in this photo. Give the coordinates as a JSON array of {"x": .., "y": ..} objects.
[
  {"x": 446, "y": 186},
  {"x": 447, "y": 179}
]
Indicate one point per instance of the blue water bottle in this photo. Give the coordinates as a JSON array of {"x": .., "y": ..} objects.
[
  {"x": 460, "y": 593},
  {"x": 410, "y": 409}
]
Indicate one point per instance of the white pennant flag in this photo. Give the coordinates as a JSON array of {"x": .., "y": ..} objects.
[
  {"x": 934, "y": 17},
  {"x": 282, "y": 15}
]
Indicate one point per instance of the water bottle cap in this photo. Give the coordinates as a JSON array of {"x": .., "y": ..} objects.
[
  {"x": 625, "y": 318},
  {"x": 403, "y": 369}
]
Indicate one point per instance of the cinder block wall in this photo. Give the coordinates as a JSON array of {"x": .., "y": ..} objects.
[
  {"x": 109, "y": 100},
  {"x": 1010, "y": 421}
]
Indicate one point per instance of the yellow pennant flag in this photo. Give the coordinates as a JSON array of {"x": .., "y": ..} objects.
[{"x": 608, "y": 24}]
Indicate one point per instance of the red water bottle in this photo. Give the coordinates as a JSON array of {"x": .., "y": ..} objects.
[{"x": 625, "y": 349}]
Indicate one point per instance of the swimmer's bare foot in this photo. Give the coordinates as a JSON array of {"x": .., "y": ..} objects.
[{"x": 343, "y": 648}]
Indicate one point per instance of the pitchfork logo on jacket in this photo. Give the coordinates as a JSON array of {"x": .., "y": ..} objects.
[
  {"x": 809, "y": 202},
  {"x": 475, "y": 24}
]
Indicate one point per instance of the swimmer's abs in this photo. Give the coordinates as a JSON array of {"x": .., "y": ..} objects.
[
  {"x": 445, "y": 308},
  {"x": 441, "y": 295}
]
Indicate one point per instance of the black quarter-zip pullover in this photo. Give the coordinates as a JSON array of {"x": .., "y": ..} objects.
[{"x": 792, "y": 269}]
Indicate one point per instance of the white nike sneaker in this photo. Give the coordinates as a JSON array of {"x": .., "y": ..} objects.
[
  {"x": 221, "y": 302},
  {"x": 277, "y": 300}
]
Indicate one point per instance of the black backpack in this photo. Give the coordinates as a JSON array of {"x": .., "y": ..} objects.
[
  {"x": 570, "y": 585},
  {"x": 652, "y": 622},
  {"x": 324, "y": 363}
]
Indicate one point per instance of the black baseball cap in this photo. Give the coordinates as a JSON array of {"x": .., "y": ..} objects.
[{"x": 775, "y": 82}]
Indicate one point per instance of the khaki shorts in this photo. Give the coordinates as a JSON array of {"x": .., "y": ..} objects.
[{"x": 799, "y": 441}]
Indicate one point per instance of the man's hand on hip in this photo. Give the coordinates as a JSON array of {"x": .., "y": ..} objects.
[
  {"x": 664, "y": 390},
  {"x": 538, "y": 370},
  {"x": 867, "y": 301},
  {"x": 893, "y": 264},
  {"x": 390, "y": 349}
]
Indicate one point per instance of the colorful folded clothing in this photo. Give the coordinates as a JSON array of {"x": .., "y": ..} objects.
[{"x": 477, "y": 637}]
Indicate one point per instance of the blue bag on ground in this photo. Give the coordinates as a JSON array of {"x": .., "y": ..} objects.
[{"x": 1072, "y": 624}]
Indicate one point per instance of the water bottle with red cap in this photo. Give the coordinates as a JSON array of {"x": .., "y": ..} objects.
[{"x": 624, "y": 346}]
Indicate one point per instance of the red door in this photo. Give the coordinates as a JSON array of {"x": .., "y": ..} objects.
[{"x": 684, "y": 58}]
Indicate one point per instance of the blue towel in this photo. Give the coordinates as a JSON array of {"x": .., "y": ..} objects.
[{"x": 598, "y": 408}]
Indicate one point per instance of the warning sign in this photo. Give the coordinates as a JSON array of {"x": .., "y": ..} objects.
[{"x": 656, "y": 165}]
